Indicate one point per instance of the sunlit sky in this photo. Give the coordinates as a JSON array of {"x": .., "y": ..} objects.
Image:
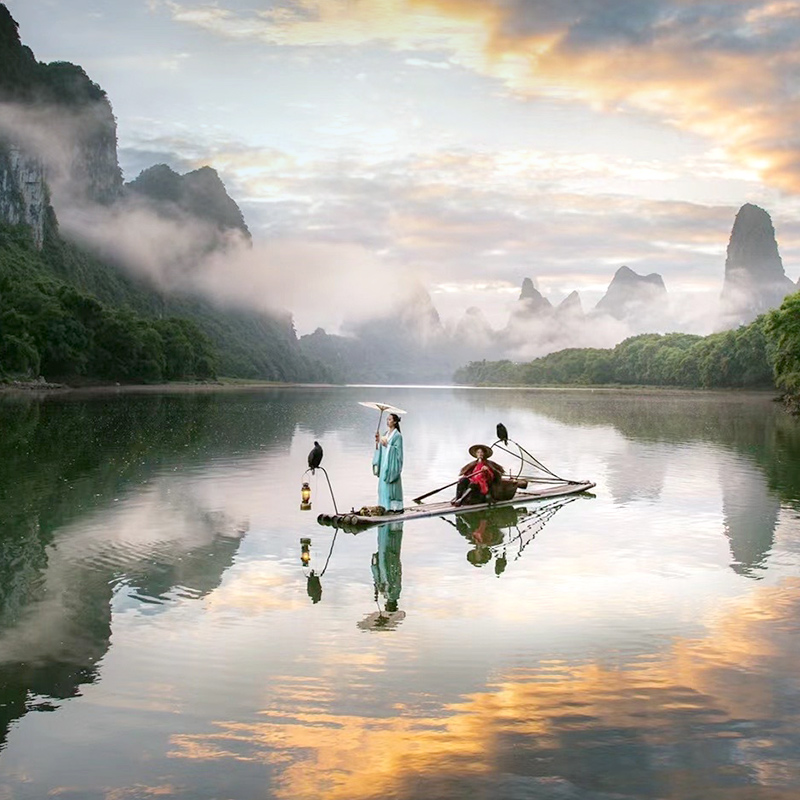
[{"x": 468, "y": 143}]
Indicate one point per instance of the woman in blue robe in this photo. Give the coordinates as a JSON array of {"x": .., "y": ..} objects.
[{"x": 387, "y": 464}]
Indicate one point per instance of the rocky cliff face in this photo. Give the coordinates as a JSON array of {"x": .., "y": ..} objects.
[
  {"x": 23, "y": 191},
  {"x": 94, "y": 175},
  {"x": 629, "y": 293},
  {"x": 755, "y": 280},
  {"x": 58, "y": 131}
]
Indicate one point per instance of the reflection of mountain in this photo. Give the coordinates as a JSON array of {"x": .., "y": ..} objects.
[
  {"x": 650, "y": 474},
  {"x": 55, "y": 641},
  {"x": 750, "y": 514},
  {"x": 758, "y": 431},
  {"x": 62, "y": 466}
]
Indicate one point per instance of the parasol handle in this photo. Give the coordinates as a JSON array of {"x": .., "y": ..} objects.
[{"x": 378, "y": 430}]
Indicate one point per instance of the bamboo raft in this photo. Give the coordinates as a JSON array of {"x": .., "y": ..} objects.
[{"x": 358, "y": 521}]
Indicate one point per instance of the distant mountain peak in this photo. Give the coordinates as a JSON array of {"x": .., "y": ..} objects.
[
  {"x": 200, "y": 193},
  {"x": 629, "y": 291},
  {"x": 571, "y": 304},
  {"x": 755, "y": 280},
  {"x": 531, "y": 300}
]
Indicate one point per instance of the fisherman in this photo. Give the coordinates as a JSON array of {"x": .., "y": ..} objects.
[{"x": 477, "y": 477}]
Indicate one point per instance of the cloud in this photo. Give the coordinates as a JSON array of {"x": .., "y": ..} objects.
[
  {"x": 724, "y": 70},
  {"x": 330, "y": 226}
]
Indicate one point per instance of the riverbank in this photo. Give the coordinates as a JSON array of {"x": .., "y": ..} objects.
[{"x": 42, "y": 386}]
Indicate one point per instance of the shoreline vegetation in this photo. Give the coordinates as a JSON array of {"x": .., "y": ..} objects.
[
  {"x": 762, "y": 355},
  {"x": 42, "y": 386}
]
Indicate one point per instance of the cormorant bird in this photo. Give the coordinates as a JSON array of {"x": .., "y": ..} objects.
[
  {"x": 502, "y": 433},
  {"x": 315, "y": 457}
]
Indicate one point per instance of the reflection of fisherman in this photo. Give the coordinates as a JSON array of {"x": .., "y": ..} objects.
[
  {"x": 484, "y": 531},
  {"x": 387, "y": 572},
  {"x": 477, "y": 477}
]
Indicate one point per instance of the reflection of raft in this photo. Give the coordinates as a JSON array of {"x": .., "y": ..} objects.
[{"x": 357, "y": 521}]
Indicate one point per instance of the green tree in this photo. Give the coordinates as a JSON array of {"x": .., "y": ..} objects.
[{"x": 783, "y": 330}]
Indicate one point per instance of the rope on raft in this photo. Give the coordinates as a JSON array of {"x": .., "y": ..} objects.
[{"x": 526, "y": 458}]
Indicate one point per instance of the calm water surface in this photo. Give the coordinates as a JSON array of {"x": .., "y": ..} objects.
[{"x": 160, "y": 637}]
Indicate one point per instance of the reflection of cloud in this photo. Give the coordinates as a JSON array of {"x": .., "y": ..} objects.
[
  {"x": 650, "y": 471},
  {"x": 156, "y": 547},
  {"x": 711, "y": 716}
]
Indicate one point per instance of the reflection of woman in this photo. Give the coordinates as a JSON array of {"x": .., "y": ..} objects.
[
  {"x": 387, "y": 572},
  {"x": 387, "y": 464}
]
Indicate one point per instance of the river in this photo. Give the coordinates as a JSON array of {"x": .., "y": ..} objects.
[{"x": 161, "y": 637}]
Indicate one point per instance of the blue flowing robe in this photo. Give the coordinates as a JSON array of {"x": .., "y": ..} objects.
[{"x": 387, "y": 464}]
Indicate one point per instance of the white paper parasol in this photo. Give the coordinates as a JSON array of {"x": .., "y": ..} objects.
[
  {"x": 381, "y": 407},
  {"x": 381, "y": 620}
]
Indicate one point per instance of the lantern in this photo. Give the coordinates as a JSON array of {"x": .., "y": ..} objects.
[
  {"x": 305, "y": 551},
  {"x": 305, "y": 497}
]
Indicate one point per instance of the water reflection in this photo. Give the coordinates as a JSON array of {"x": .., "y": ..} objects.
[
  {"x": 505, "y": 532},
  {"x": 713, "y": 717},
  {"x": 756, "y": 468},
  {"x": 63, "y": 558},
  {"x": 149, "y": 572},
  {"x": 387, "y": 579}
]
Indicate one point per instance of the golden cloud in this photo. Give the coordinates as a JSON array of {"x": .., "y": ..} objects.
[{"x": 678, "y": 71}]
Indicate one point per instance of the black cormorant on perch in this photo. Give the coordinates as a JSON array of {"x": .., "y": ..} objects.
[
  {"x": 315, "y": 457},
  {"x": 502, "y": 433}
]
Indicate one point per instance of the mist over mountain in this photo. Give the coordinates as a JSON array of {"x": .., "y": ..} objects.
[
  {"x": 633, "y": 304},
  {"x": 200, "y": 193},
  {"x": 72, "y": 233},
  {"x": 630, "y": 294},
  {"x": 177, "y": 245}
]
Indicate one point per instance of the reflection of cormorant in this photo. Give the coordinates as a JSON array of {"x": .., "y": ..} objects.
[
  {"x": 387, "y": 571},
  {"x": 314, "y": 587},
  {"x": 315, "y": 457}
]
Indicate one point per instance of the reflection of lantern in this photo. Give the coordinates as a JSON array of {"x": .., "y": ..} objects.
[
  {"x": 305, "y": 497},
  {"x": 305, "y": 551}
]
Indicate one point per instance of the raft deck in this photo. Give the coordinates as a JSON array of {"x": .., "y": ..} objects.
[{"x": 440, "y": 509}]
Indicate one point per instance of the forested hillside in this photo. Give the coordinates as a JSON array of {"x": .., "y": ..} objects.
[{"x": 48, "y": 327}]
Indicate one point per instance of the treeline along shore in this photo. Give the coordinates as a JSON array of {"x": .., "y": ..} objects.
[{"x": 763, "y": 354}]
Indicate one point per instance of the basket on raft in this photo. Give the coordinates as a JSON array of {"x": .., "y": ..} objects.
[{"x": 506, "y": 488}]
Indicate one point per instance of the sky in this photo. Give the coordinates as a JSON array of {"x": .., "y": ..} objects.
[{"x": 466, "y": 144}]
